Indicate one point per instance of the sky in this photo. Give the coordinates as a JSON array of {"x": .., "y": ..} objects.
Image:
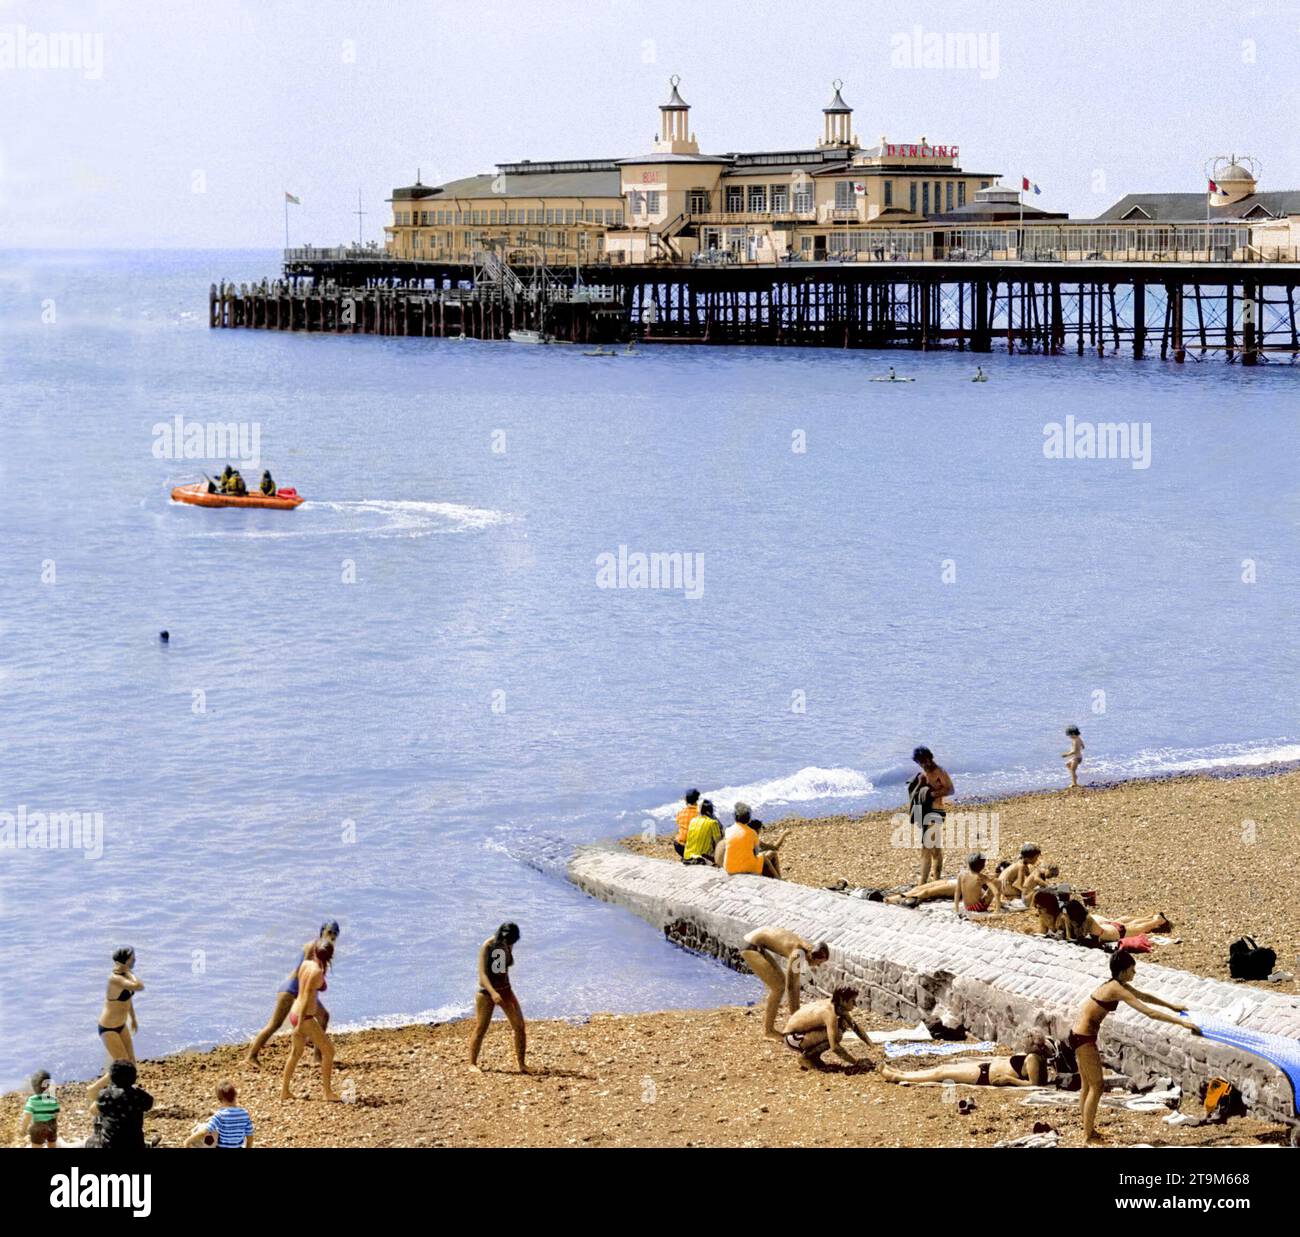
[{"x": 172, "y": 123}]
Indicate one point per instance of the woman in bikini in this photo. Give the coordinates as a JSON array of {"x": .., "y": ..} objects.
[
  {"x": 1074, "y": 757},
  {"x": 284, "y": 999},
  {"x": 304, "y": 1018},
  {"x": 1111, "y": 928},
  {"x": 767, "y": 948},
  {"x": 494, "y": 962},
  {"x": 117, "y": 1020},
  {"x": 1087, "y": 1027},
  {"x": 1021, "y": 1069}
]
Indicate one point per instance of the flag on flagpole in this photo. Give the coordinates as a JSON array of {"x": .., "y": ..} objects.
[
  {"x": 1026, "y": 185},
  {"x": 288, "y": 197},
  {"x": 1213, "y": 187}
]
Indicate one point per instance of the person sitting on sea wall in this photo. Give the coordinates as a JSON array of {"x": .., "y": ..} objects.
[
  {"x": 1021, "y": 1069},
  {"x": 740, "y": 852},
  {"x": 767, "y": 947},
  {"x": 305, "y": 1019},
  {"x": 685, "y": 815},
  {"x": 284, "y": 998},
  {"x": 974, "y": 889},
  {"x": 122, "y": 1105},
  {"x": 1087, "y": 1030},
  {"x": 230, "y": 1125},
  {"x": 702, "y": 836},
  {"x": 817, "y": 1028},
  {"x": 494, "y": 988},
  {"x": 268, "y": 485},
  {"x": 927, "y": 802},
  {"x": 38, "y": 1123}
]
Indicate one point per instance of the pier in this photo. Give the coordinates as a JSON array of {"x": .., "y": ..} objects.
[{"x": 1194, "y": 303}]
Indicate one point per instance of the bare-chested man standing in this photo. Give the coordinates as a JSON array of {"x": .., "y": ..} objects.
[{"x": 928, "y": 792}]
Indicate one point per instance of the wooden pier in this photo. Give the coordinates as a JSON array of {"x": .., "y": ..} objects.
[{"x": 1239, "y": 311}]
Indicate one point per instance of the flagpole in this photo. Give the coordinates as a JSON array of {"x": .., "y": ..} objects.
[{"x": 286, "y": 221}]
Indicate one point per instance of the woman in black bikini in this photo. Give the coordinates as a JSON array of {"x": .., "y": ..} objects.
[
  {"x": 118, "y": 1012},
  {"x": 1021, "y": 1069},
  {"x": 305, "y": 1019},
  {"x": 1087, "y": 1027},
  {"x": 494, "y": 962}
]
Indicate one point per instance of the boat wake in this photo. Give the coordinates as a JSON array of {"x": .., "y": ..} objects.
[{"x": 367, "y": 517}]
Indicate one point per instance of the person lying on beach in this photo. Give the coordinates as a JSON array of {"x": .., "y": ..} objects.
[
  {"x": 305, "y": 1019},
  {"x": 329, "y": 934},
  {"x": 702, "y": 836},
  {"x": 975, "y": 889},
  {"x": 494, "y": 962},
  {"x": 740, "y": 851},
  {"x": 117, "y": 1020},
  {"x": 817, "y": 1028},
  {"x": 931, "y": 891},
  {"x": 38, "y": 1123},
  {"x": 1074, "y": 757},
  {"x": 685, "y": 815},
  {"x": 1111, "y": 928},
  {"x": 1087, "y": 1029},
  {"x": 927, "y": 801},
  {"x": 1021, "y": 1069},
  {"x": 229, "y": 1126},
  {"x": 767, "y": 946}
]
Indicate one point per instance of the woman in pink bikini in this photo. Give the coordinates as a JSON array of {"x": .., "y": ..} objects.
[
  {"x": 1087, "y": 1028},
  {"x": 305, "y": 1019}
]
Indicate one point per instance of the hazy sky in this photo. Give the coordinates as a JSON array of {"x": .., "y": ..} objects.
[{"x": 182, "y": 123}]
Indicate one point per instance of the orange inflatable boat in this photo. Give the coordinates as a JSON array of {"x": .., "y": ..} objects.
[{"x": 197, "y": 495}]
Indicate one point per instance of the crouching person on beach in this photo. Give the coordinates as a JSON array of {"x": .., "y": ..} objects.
[
  {"x": 817, "y": 1028},
  {"x": 494, "y": 962},
  {"x": 767, "y": 948},
  {"x": 38, "y": 1123},
  {"x": 229, "y": 1126}
]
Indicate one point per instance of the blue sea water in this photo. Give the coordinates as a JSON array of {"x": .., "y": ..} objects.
[{"x": 378, "y": 750}]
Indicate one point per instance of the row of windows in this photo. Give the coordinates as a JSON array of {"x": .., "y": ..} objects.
[
  {"x": 467, "y": 241},
  {"x": 503, "y": 215}
]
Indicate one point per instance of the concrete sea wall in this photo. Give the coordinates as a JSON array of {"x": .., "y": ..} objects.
[{"x": 911, "y": 965}]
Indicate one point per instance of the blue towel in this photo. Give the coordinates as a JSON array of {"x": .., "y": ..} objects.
[{"x": 1281, "y": 1050}]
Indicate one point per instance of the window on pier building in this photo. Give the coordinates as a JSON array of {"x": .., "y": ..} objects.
[
  {"x": 961, "y": 193},
  {"x": 697, "y": 201},
  {"x": 803, "y": 198},
  {"x": 843, "y": 194},
  {"x": 948, "y": 196},
  {"x": 911, "y": 196},
  {"x": 780, "y": 197},
  {"x": 757, "y": 198},
  {"x": 652, "y": 202},
  {"x": 889, "y": 193},
  {"x": 925, "y": 197},
  {"x": 938, "y": 195},
  {"x": 735, "y": 198}
]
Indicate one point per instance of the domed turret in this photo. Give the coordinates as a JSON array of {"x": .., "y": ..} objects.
[
  {"x": 1233, "y": 179},
  {"x": 838, "y": 130},
  {"x": 675, "y": 136}
]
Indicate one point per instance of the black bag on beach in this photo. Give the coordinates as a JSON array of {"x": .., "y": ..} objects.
[{"x": 1247, "y": 960}]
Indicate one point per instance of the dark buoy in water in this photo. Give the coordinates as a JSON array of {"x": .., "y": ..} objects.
[{"x": 164, "y": 636}]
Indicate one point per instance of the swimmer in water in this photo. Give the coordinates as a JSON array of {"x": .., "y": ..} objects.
[
  {"x": 494, "y": 962},
  {"x": 1087, "y": 1028},
  {"x": 305, "y": 1019},
  {"x": 117, "y": 1020},
  {"x": 767, "y": 946},
  {"x": 1074, "y": 757}
]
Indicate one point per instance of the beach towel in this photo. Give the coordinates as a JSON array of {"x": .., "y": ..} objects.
[
  {"x": 1279, "y": 1050},
  {"x": 918, "y": 1034},
  {"x": 938, "y": 1049}
]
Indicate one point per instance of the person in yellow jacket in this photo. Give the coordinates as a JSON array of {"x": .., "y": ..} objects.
[
  {"x": 741, "y": 847},
  {"x": 702, "y": 836},
  {"x": 684, "y": 817}
]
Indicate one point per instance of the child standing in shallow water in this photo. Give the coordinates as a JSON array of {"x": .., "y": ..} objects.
[{"x": 1074, "y": 757}]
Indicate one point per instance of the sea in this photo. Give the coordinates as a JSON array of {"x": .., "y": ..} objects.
[{"x": 531, "y": 597}]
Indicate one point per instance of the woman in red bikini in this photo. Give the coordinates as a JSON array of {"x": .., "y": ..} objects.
[
  {"x": 1111, "y": 929},
  {"x": 305, "y": 1019},
  {"x": 1087, "y": 1027}
]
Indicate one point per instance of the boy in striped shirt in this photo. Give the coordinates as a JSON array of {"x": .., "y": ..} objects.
[{"x": 230, "y": 1125}]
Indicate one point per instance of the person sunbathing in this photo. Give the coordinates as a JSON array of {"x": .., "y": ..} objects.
[
  {"x": 930, "y": 891},
  {"x": 817, "y": 1028},
  {"x": 1087, "y": 1029},
  {"x": 1111, "y": 928},
  {"x": 1021, "y": 1069},
  {"x": 975, "y": 889},
  {"x": 1014, "y": 875},
  {"x": 767, "y": 946}
]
